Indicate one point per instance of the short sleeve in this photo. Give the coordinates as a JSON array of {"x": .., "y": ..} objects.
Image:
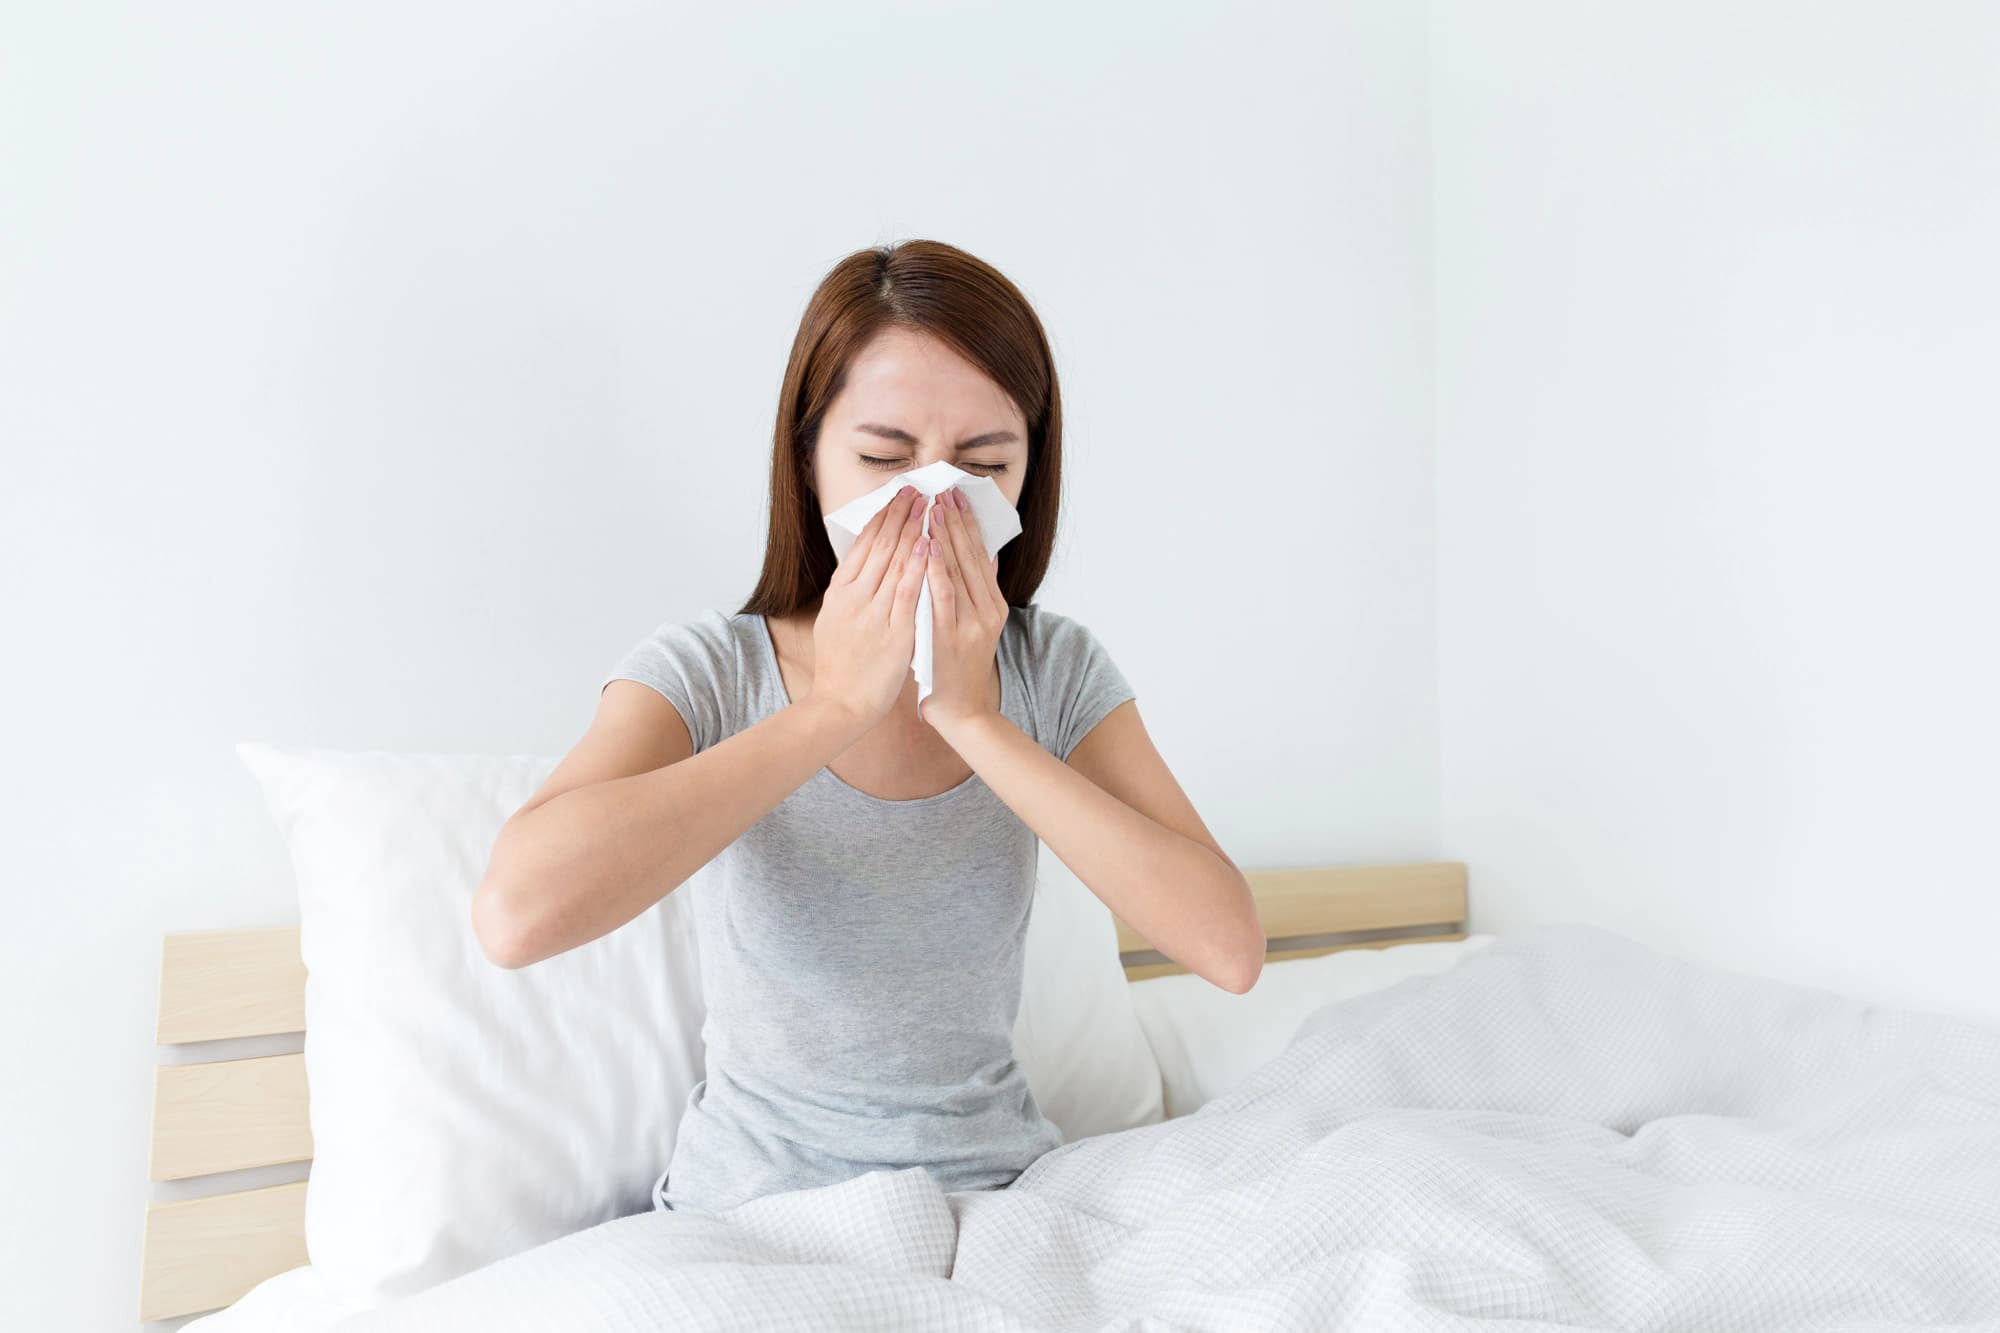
[
  {"x": 1080, "y": 683},
  {"x": 693, "y": 664}
]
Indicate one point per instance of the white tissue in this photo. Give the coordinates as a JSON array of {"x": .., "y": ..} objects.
[{"x": 994, "y": 513}]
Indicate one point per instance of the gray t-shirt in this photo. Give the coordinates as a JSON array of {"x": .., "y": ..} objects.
[{"x": 861, "y": 958}]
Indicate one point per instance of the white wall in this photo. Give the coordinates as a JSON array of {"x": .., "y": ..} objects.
[
  {"x": 1717, "y": 328},
  {"x": 372, "y": 377}
]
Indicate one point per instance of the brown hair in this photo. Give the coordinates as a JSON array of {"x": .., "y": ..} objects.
[{"x": 969, "y": 306}]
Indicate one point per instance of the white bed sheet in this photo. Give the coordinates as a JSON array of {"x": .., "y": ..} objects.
[
  {"x": 1207, "y": 1040},
  {"x": 1565, "y": 1130}
]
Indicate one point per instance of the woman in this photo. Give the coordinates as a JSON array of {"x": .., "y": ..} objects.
[{"x": 873, "y": 866}]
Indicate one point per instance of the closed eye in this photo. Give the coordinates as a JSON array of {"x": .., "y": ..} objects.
[{"x": 985, "y": 469}]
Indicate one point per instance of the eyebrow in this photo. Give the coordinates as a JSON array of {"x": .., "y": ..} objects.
[{"x": 904, "y": 437}]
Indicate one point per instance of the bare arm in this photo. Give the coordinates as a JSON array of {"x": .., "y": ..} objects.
[
  {"x": 1116, "y": 816},
  {"x": 631, "y": 813}
]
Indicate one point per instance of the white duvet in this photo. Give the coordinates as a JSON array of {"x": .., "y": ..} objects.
[{"x": 1567, "y": 1130}]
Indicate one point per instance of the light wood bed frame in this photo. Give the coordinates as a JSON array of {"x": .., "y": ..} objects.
[{"x": 228, "y": 1115}]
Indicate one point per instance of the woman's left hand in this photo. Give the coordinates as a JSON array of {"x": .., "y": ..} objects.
[{"x": 968, "y": 612}]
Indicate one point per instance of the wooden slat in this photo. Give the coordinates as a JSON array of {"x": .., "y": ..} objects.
[
  {"x": 231, "y": 983},
  {"x": 1279, "y": 955},
  {"x": 203, "y": 1254},
  {"x": 229, "y": 1114},
  {"x": 1428, "y": 896},
  {"x": 1320, "y": 900},
  {"x": 1141, "y": 971}
]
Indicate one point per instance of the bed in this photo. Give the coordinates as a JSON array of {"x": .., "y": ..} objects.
[
  {"x": 215, "y": 1117},
  {"x": 1566, "y": 1128}
]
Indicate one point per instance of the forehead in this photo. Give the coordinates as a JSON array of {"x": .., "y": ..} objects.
[{"x": 903, "y": 373}]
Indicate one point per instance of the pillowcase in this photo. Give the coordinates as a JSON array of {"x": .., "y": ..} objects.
[
  {"x": 460, "y": 1111},
  {"x": 1208, "y": 1040},
  {"x": 1077, "y": 1037}
]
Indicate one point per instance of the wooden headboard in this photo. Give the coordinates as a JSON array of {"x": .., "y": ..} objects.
[{"x": 228, "y": 1115}]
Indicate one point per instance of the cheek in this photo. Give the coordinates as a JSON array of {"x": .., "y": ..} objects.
[{"x": 841, "y": 482}]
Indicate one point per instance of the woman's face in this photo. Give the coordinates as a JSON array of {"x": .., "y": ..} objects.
[{"x": 909, "y": 401}]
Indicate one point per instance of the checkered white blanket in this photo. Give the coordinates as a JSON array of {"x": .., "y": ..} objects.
[{"x": 1567, "y": 1130}]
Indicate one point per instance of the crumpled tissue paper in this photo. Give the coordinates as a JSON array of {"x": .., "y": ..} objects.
[{"x": 998, "y": 522}]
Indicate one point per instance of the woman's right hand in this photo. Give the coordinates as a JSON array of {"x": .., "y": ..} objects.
[{"x": 865, "y": 633}]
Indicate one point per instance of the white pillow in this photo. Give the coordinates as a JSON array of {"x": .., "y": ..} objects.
[
  {"x": 1208, "y": 1040},
  {"x": 1076, "y": 1037},
  {"x": 460, "y": 1111}
]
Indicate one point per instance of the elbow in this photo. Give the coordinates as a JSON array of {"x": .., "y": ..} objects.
[
  {"x": 1248, "y": 960},
  {"x": 506, "y": 931},
  {"x": 1256, "y": 969},
  {"x": 499, "y": 929},
  {"x": 1239, "y": 971},
  {"x": 1239, "y": 979}
]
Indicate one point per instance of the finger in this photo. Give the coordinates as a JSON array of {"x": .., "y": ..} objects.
[
  {"x": 944, "y": 603},
  {"x": 893, "y": 541},
  {"x": 864, "y": 542},
  {"x": 909, "y": 586},
  {"x": 857, "y": 550},
  {"x": 957, "y": 548},
  {"x": 933, "y": 507},
  {"x": 955, "y": 539},
  {"x": 982, "y": 588}
]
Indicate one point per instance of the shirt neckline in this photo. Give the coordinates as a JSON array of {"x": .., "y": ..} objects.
[{"x": 972, "y": 780}]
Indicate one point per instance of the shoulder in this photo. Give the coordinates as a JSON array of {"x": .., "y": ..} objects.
[
  {"x": 1072, "y": 678},
  {"x": 708, "y": 643},
  {"x": 1048, "y": 636},
  {"x": 697, "y": 663}
]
